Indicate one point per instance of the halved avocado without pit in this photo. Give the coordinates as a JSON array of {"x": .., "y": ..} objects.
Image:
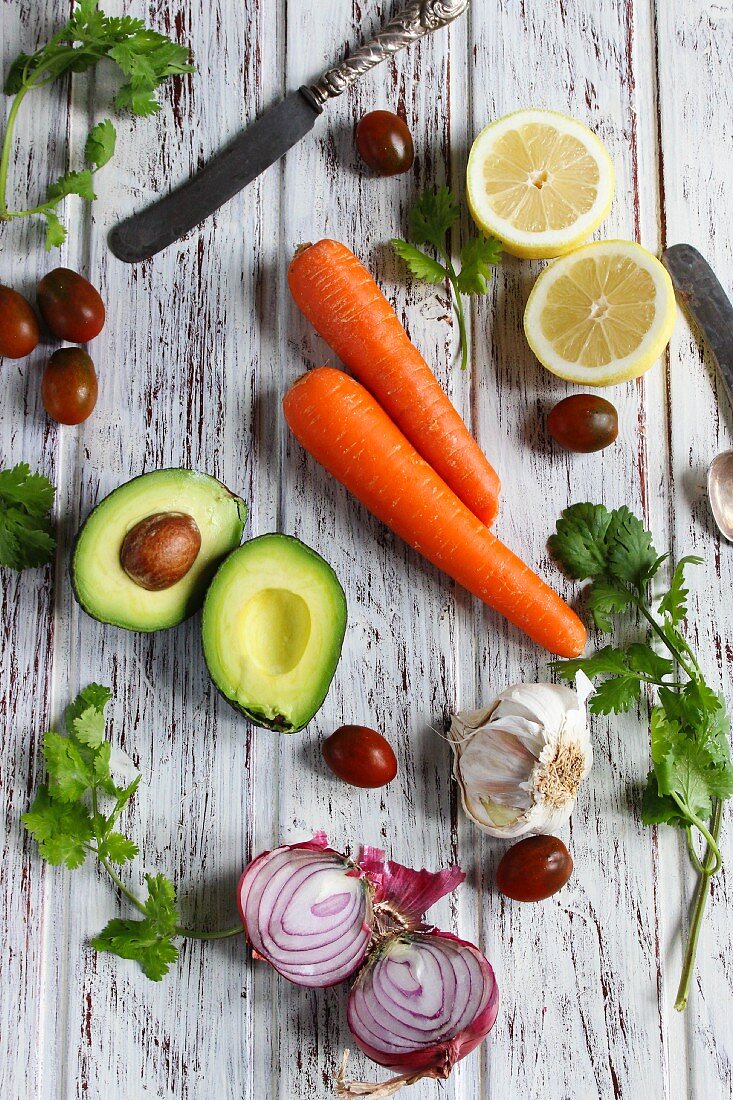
[
  {"x": 155, "y": 505},
  {"x": 273, "y": 625}
]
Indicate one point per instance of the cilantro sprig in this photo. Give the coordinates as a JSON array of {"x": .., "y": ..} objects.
[
  {"x": 76, "y": 814},
  {"x": 145, "y": 57},
  {"x": 25, "y": 528},
  {"x": 429, "y": 221},
  {"x": 691, "y": 774}
]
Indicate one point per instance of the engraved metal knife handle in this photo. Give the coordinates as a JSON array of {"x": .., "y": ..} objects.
[{"x": 418, "y": 18}]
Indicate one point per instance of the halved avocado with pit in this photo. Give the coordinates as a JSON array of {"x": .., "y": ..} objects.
[
  {"x": 108, "y": 593},
  {"x": 273, "y": 625}
]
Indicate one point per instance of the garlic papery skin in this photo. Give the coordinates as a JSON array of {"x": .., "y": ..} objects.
[{"x": 520, "y": 761}]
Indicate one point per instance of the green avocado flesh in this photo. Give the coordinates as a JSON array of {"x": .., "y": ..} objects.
[
  {"x": 273, "y": 626},
  {"x": 101, "y": 585}
]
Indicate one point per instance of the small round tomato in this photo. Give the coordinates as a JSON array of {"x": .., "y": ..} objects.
[
  {"x": 71, "y": 307},
  {"x": 583, "y": 422},
  {"x": 19, "y": 332},
  {"x": 69, "y": 386},
  {"x": 384, "y": 142},
  {"x": 534, "y": 868},
  {"x": 360, "y": 756}
]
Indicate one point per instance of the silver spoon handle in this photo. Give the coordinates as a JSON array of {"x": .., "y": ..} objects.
[{"x": 418, "y": 18}]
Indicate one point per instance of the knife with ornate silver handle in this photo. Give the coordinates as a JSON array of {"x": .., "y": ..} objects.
[{"x": 269, "y": 137}]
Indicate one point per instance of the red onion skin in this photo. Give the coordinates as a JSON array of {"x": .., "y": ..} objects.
[
  {"x": 410, "y": 892},
  {"x": 438, "y": 1061}
]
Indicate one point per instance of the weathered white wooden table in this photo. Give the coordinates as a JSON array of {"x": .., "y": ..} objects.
[{"x": 199, "y": 345}]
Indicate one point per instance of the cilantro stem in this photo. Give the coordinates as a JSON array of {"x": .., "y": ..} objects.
[
  {"x": 702, "y": 892},
  {"x": 194, "y": 934},
  {"x": 121, "y": 886},
  {"x": 7, "y": 149},
  {"x": 702, "y": 827},
  {"x": 639, "y": 602},
  {"x": 694, "y": 858},
  {"x": 457, "y": 306}
]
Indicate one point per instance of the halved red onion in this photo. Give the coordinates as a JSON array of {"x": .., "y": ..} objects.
[
  {"x": 306, "y": 909},
  {"x": 423, "y": 1001}
]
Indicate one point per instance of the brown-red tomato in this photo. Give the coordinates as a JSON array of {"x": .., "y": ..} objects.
[
  {"x": 70, "y": 305},
  {"x": 534, "y": 868},
  {"x": 69, "y": 386},
  {"x": 19, "y": 332},
  {"x": 360, "y": 756},
  {"x": 384, "y": 142},
  {"x": 583, "y": 422}
]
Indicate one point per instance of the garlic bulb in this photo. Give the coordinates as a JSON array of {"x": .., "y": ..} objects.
[{"x": 520, "y": 761}]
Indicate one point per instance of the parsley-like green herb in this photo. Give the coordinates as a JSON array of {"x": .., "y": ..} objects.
[
  {"x": 691, "y": 774},
  {"x": 25, "y": 528},
  {"x": 76, "y": 813},
  {"x": 429, "y": 221},
  {"x": 145, "y": 58}
]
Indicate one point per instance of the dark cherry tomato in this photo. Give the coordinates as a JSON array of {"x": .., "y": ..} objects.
[
  {"x": 534, "y": 868},
  {"x": 18, "y": 325},
  {"x": 360, "y": 756},
  {"x": 69, "y": 386},
  {"x": 583, "y": 422},
  {"x": 385, "y": 143},
  {"x": 71, "y": 307}
]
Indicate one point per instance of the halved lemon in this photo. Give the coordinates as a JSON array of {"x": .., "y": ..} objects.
[
  {"x": 539, "y": 181},
  {"x": 601, "y": 315}
]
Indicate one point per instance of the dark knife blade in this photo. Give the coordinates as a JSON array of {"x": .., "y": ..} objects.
[
  {"x": 710, "y": 307},
  {"x": 256, "y": 148}
]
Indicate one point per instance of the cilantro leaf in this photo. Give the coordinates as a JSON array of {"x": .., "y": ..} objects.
[
  {"x": 140, "y": 101},
  {"x": 616, "y": 695},
  {"x": 55, "y": 231},
  {"x": 118, "y": 848},
  {"x": 658, "y": 809},
  {"x": 17, "y": 74},
  {"x": 630, "y": 555},
  {"x": 434, "y": 213},
  {"x": 604, "y": 661},
  {"x": 674, "y": 602},
  {"x": 149, "y": 941},
  {"x": 605, "y": 598},
  {"x": 84, "y": 718},
  {"x": 33, "y": 492},
  {"x": 579, "y": 542},
  {"x": 73, "y": 183},
  {"x": 100, "y": 146},
  {"x": 62, "y": 830},
  {"x": 478, "y": 256},
  {"x": 140, "y": 941},
  {"x": 422, "y": 266},
  {"x": 161, "y": 903},
  {"x": 25, "y": 529},
  {"x": 642, "y": 658},
  {"x": 70, "y": 774}
]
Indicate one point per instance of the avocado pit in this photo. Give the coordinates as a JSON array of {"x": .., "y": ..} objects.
[{"x": 160, "y": 549}]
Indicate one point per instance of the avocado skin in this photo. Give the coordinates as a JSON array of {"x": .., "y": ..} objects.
[
  {"x": 252, "y": 716},
  {"x": 195, "y": 602}
]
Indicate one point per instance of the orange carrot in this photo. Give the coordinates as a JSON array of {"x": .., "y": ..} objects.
[
  {"x": 344, "y": 428},
  {"x": 344, "y": 304}
]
